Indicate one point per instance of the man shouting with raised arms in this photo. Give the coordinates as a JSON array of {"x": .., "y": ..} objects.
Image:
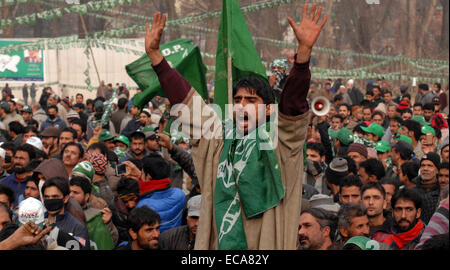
[{"x": 250, "y": 196}]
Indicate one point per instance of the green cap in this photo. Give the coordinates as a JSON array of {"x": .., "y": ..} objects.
[
  {"x": 85, "y": 169},
  {"x": 420, "y": 119},
  {"x": 5, "y": 106},
  {"x": 427, "y": 128},
  {"x": 123, "y": 139},
  {"x": 345, "y": 136},
  {"x": 405, "y": 138},
  {"x": 363, "y": 243},
  {"x": 178, "y": 137},
  {"x": 333, "y": 133},
  {"x": 105, "y": 136},
  {"x": 374, "y": 129},
  {"x": 383, "y": 147}
]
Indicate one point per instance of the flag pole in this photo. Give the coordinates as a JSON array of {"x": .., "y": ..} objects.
[{"x": 230, "y": 85}]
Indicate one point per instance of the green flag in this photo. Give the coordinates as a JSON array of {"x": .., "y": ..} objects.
[
  {"x": 99, "y": 233},
  {"x": 182, "y": 55},
  {"x": 236, "y": 43}
]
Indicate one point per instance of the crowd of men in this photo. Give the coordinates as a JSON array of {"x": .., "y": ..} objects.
[
  {"x": 376, "y": 171},
  {"x": 60, "y": 170}
]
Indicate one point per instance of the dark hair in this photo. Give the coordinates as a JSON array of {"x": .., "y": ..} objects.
[
  {"x": 387, "y": 92},
  {"x": 407, "y": 96},
  {"x": 7, "y": 210},
  {"x": 348, "y": 211},
  {"x": 79, "y": 122},
  {"x": 100, "y": 146},
  {"x": 444, "y": 165},
  {"x": 79, "y": 106},
  {"x": 410, "y": 194},
  {"x": 137, "y": 163},
  {"x": 52, "y": 107},
  {"x": 9, "y": 192},
  {"x": 146, "y": 113},
  {"x": 157, "y": 167},
  {"x": 59, "y": 182},
  {"x": 428, "y": 107},
  {"x": 370, "y": 92},
  {"x": 79, "y": 94},
  {"x": 71, "y": 130},
  {"x": 338, "y": 116},
  {"x": 390, "y": 181},
  {"x": 351, "y": 164},
  {"x": 345, "y": 105},
  {"x": 418, "y": 104},
  {"x": 83, "y": 183},
  {"x": 378, "y": 113},
  {"x": 127, "y": 186},
  {"x": 258, "y": 86},
  {"x": 414, "y": 126},
  {"x": 373, "y": 166},
  {"x": 424, "y": 86},
  {"x": 9, "y": 146},
  {"x": 397, "y": 119},
  {"x": 141, "y": 216},
  {"x": 375, "y": 86},
  {"x": 373, "y": 185},
  {"x": 410, "y": 169},
  {"x": 318, "y": 147},
  {"x": 350, "y": 181},
  {"x": 402, "y": 112},
  {"x": 324, "y": 218},
  {"x": 438, "y": 85},
  {"x": 16, "y": 127},
  {"x": 137, "y": 136},
  {"x": 121, "y": 103},
  {"x": 338, "y": 97},
  {"x": 90, "y": 101},
  {"x": 29, "y": 149},
  {"x": 80, "y": 148},
  {"x": 30, "y": 128}
]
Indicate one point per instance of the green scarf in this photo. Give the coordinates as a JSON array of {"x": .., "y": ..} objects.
[{"x": 249, "y": 176}]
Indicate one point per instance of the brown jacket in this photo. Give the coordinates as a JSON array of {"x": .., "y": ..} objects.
[{"x": 278, "y": 227}]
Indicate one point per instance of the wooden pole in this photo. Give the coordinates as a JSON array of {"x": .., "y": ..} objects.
[{"x": 230, "y": 85}]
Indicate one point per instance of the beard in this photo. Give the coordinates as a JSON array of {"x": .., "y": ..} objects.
[{"x": 19, "y": 170}]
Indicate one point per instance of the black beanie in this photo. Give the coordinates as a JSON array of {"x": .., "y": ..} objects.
[
  {"x": 127, "y": 186},
  {"x": 433, "y": 157}
]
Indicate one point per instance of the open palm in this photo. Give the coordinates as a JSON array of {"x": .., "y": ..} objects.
[
  {"x": 309, "y": 29},
  {"x": 153, "y": 35}
]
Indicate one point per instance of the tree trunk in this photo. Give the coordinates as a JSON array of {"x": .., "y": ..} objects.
[
  {"x": 423, "y": 29},
  {"x": 444, "y": 42},
  {"x": 412, "y": 30},
  {"x": 328, "y": 36}
]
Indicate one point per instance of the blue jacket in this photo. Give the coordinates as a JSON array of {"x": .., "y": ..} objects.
[
  {"x": 18, "y": 188},
  {"x": 168, "y": 204},
  {"x": 57, "y": 123}
]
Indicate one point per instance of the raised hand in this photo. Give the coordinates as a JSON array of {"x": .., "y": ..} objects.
[
  {"x": 308, "y": 31},
  {"x": 153, "y": 37}
]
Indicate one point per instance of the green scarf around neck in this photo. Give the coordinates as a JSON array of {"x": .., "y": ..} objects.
[{"x": 249, "y": 176}]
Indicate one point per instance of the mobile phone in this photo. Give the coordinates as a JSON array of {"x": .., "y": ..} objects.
[
  {"x": 121, "y": 169},
  {"x": 429, "y": 138}
]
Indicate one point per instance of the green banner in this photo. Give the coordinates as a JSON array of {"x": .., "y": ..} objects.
[{"x": 23, "y": 66}]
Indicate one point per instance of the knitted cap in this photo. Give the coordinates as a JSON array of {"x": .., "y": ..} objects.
[
  {"x": 358, "y": 148},
  {"x": 85, "y": 169},
  {"x": 98, "y": 161},
  {"x": 403, "y": 106},
  {"x": 433, "y": 157}
]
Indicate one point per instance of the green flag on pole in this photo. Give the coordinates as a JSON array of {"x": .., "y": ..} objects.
[
  {"x": 234, "y": 45},
  {"x": 182, "y": 55}
]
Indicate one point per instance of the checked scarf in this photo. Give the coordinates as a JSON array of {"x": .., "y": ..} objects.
[{"x": 249, "y": 176}]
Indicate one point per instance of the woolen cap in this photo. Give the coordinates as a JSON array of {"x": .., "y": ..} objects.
[
  {"x": 51, "y": 132},
  {"x": 433, "y": 157},
  {"x": 358, "y": 148},
  {"x": 193, "y": 206}
]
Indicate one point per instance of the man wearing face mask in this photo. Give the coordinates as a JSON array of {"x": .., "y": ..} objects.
[
  {"x": 53, "y": 120},
  {"x": 56, "y": 194},
  {"x": 315, "y": 168}
]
